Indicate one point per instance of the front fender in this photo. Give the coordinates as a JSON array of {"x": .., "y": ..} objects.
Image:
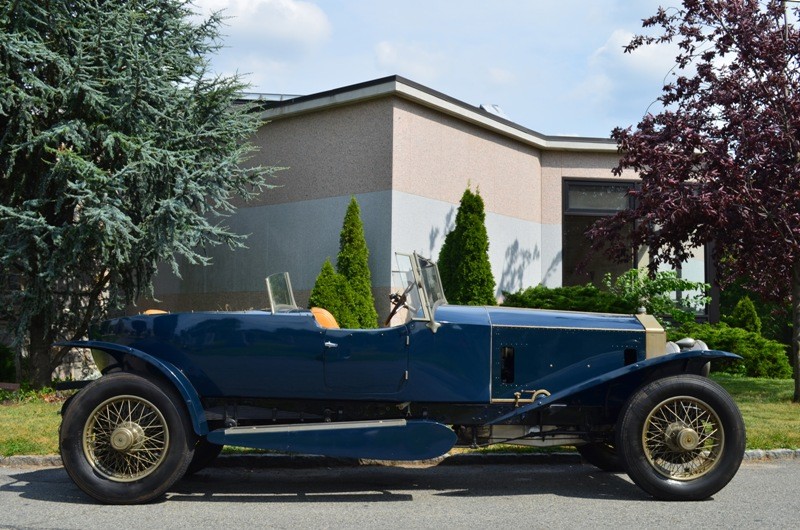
[
  {"x": 121, "y": 355},
  {"x": 617, "y": 385}
]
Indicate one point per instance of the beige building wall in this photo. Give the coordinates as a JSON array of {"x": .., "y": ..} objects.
[
  {"x": 343, "y": 150},
  {"x": 407, "y": 154},
  {"x": 329, "y": 156},
  {"x": 437, "y": 156}
]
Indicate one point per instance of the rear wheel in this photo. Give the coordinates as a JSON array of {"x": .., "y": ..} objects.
[
  {"x": 681, "y": 438},
  {"x": 125, "y": 440}
]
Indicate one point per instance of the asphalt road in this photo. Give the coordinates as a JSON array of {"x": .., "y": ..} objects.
[{"x": 762, "y": 495}]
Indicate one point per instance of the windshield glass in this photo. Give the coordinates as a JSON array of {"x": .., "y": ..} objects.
[
  {"x": 403, "y": 282},
  {"x": 431, "y": 282},
  {"x": 279, "y": 290},
  {"x": 418, "y": 278}
]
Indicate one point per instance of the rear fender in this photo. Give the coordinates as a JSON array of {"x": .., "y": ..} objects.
[
  {"x": 614, "y": 387},
  {"x": 131, "y": 358}
]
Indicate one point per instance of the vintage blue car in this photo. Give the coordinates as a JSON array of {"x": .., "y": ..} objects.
[{"x": 178, "y": 387}]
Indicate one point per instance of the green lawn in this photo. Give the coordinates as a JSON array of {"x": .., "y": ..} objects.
[
  {"x": 30, "y": 427},
  {"x": 771, "y": 419}
]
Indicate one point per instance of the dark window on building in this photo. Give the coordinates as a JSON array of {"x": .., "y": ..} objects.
[{"x": 584, "y": 203}]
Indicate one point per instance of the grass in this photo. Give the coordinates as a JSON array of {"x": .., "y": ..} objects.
[
  {"x": 29, "y": 427},
  {"x": 771, "y": 419},
  {"x": 29, "y": 423}
]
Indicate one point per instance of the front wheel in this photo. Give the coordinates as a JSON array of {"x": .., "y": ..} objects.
[
  {"x": 124, "y": 440},
  {"x": 681, "y": 438}
]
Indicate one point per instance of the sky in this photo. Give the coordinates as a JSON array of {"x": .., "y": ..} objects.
[{"x": 554, "y": 66}]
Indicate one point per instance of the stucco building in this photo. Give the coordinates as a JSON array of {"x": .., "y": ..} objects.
[{"x": 407, "y": 153}]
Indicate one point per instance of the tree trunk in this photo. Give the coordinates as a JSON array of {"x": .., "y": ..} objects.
[
  {"x": 796, "y": 328},
  {"x": 39, "y": 346}
]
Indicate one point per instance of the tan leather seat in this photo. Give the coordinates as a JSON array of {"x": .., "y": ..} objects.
[{"x": 324, "y": 318}]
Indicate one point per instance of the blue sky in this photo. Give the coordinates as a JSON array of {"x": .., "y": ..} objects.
[{"x": 554, "y": 66}]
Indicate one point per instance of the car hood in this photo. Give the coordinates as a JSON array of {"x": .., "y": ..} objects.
[{"x": 540, "y": 318}]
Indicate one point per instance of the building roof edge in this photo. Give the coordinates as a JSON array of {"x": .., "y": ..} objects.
[{"x": 399, "y": 86}]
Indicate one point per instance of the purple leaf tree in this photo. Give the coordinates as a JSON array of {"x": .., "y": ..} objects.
[{"x": 720, "y": 163}]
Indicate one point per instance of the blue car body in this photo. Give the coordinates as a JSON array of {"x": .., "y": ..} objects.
[{"x": 284, "y": 379}]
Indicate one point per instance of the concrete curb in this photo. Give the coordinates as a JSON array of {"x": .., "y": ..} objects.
[{"x": 277, "y": 461}]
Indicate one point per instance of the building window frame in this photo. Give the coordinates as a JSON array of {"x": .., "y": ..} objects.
[{"x": 577, "y": 183}]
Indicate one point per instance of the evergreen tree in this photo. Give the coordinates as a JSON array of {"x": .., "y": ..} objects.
[
  {"x": 353, "y": 264},
  {"x": 744, "y": 316},
  {"x": 332, "y": 292},
  {"x": 464, "y": 258},
  {"x": 118, "y": 151}
]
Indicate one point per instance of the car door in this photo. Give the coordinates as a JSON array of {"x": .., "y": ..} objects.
[{"x": 371, "y": 361}]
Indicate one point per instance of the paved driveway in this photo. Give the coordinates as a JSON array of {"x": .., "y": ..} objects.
[{"x": 762, "y": 495}]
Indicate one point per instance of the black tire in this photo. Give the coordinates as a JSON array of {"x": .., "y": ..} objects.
[
  {"x": 681, "y": 438},
  {"x": 126, "y": 440},
  {"x": 204, "y": 454},
  {"x": 602, "y": 455}
]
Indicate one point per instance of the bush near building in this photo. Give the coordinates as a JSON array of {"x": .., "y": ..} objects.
[
  {"x": 744, "y": 316},
  {"x": 347, "y": 291},
  {"x": 332, "y": 292},
  {"x": 625, "y": 294},
  {"x": 761, "y": 357},
  {"x": 464, "y": 258},
  {"x": 353, "y": 264},
  {"x": 574, "y": 298}
]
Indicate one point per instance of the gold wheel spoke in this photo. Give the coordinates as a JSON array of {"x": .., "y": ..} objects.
[
  {"x": 139, "y": 434},
  {"x": 667, "y": 423}
]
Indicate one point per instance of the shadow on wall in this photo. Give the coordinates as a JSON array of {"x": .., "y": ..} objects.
[
  {"x": 436, "y": 234},
  {"x": 553, "y": 269},
  {"x": 517, "y": 261}
]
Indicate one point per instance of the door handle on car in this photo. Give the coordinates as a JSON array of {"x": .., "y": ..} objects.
[{"x": 329, "y": 344}]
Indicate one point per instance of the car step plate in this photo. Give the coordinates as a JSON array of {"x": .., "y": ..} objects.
[{"x": 379, "y": 439}]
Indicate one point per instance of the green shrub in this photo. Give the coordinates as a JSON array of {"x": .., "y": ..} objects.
[
  {"x": 332, "y": 292},
  {"x": 353, "y": 264},
  {"x": 575, "y": 298},
  {"x": 776, "y": 318},
  {"x": 655, "y": 293},
  {"x": 744, "y": 316},
  {"x": 761, "y": 357},
  {"x": 464, "y": 258}
]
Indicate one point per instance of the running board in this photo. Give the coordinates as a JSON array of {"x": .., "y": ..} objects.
[{"x": 378, "y": 440}]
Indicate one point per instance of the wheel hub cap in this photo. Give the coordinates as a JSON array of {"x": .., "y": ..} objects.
[
  {"x": 682, "y": 438},
  {"x": 127, "y": 437}
]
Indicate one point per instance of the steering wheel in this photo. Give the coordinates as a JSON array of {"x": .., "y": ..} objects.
[{"x": 398, "y": 301}]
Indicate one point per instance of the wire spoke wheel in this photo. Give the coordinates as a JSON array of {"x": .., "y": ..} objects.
[
  {"x": 125, "y": 438},
  {"x": 683, "y": 438}
]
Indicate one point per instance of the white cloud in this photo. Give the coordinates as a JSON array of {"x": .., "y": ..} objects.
[
  {"x": 655, "y": 61},
  {"x": 596, "y": 89},
  {"x": 262, "y": 73},
  {"x": 613, "y": 75},
  {"x": 501, "y": 76},
  {"x": 289, "y": 21},
  {"x": 410, "y": 60}
]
